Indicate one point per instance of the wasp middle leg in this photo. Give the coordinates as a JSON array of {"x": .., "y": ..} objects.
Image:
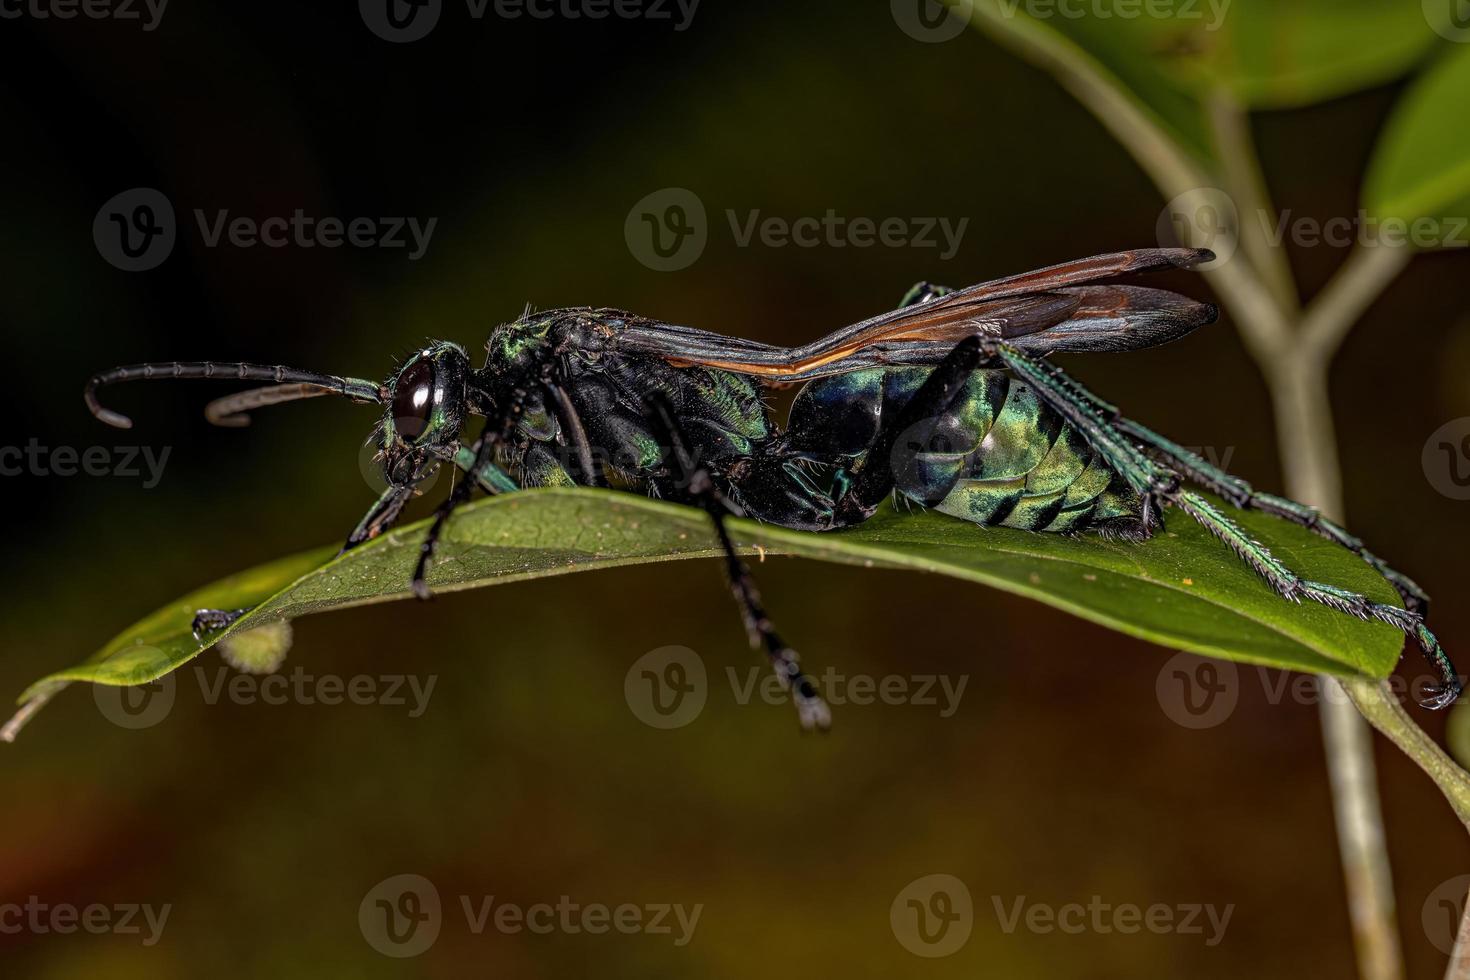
[{"x": 695, "y": 483}]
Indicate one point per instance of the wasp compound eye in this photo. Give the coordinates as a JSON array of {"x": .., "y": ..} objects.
[{"x": 413, "y": 400}]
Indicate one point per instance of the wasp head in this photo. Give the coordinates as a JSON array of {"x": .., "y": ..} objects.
[{"x": 427, "y": 404}]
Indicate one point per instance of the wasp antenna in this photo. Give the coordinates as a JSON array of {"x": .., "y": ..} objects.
[{"x": 290, "y": 384}]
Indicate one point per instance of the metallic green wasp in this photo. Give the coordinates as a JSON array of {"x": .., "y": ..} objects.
[{"x": 948, "y": 401}]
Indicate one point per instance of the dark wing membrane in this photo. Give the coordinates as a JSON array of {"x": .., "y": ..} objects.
[{"x": 1043, "y": 311}]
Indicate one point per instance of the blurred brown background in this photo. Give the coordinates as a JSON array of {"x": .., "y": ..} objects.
[{"x": 1060, "y": 777}]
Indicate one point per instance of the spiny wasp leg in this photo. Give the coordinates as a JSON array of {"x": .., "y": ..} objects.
[
  {"x": 696, "y": 485},
  {"x": 1104, "y": 433}
]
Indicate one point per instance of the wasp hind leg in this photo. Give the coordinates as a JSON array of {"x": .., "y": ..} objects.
[
  {"x": 696, "y": 486},
  {"x": 1241, "y": 494},
  {"x": 1158, "y": 485}
]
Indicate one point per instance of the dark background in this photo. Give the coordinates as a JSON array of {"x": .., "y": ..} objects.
[{"x": 1060, "y": 778}]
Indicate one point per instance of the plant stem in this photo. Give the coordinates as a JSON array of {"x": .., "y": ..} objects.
[
  {"x": 1459, "y": 968},
  {"x": 1294, "y": 358},
  {"x": 1246, "y": 185},
  {"x": 1367, "y": 272},
  {"x": 1377, "y": 703},
  {"x": 1360, "y": 837}
]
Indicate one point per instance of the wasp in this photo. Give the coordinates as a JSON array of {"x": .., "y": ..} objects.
[{"x": 949, "y": 402}]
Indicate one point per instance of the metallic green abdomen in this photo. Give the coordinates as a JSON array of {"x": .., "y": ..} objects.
[{"x": 999, "y": 457}]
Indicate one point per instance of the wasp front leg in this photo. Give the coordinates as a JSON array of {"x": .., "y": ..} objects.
[{"x": 380, "y": 516}]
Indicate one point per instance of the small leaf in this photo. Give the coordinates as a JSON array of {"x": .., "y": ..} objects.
[
  {"x": 1182, "y": 589},
  {"x": 1275, "y": 54},
  {"x": 1170, "y": 55},
  {"x": 1421, "y": 166}
]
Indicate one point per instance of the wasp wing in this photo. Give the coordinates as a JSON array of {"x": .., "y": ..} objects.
[{"x": 1047, "y": 310}]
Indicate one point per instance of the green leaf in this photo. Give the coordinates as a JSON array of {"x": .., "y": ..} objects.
[
  {"x": 1182, "y": 589},
  {"x": 1284, "y": 53},
  {"x": 1171, "y": 55},
  {"x": 1421, "y": 166}
]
